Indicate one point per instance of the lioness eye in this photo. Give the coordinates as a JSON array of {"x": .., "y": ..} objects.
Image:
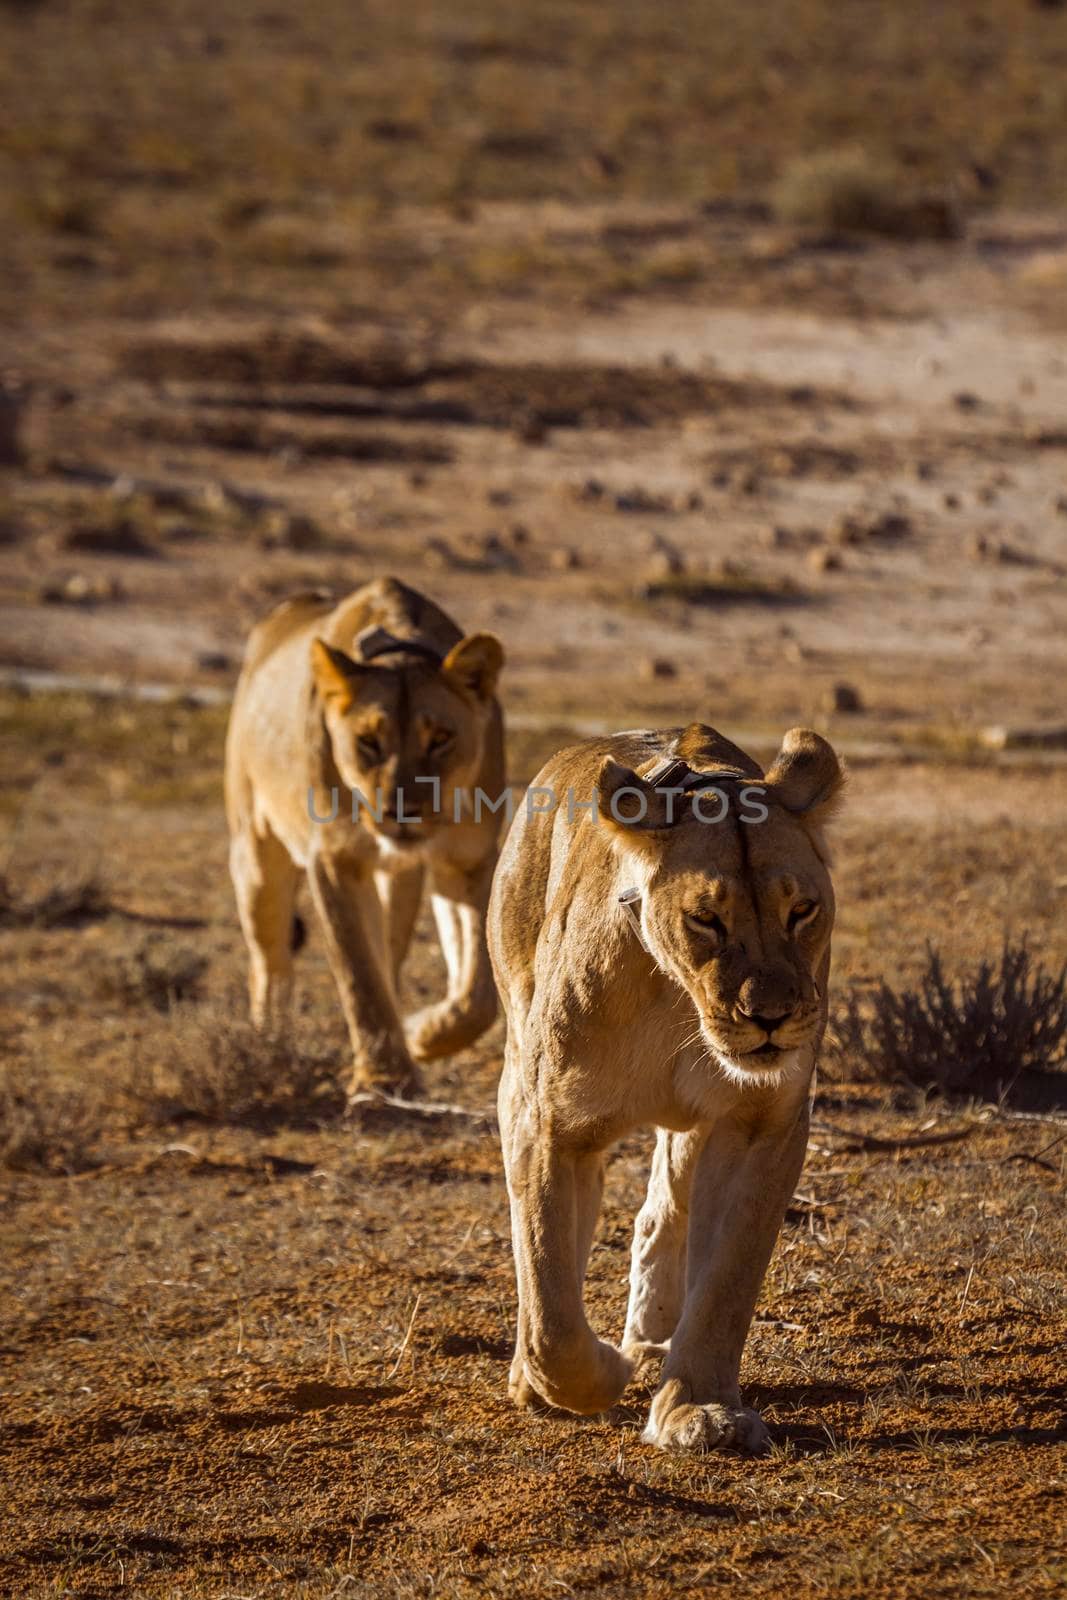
[
  {"x": 441, "y": 741},
  {"x": 369, "y": 750},
  {"x": 802, "y": 912},
  {"x": 706, "y": 922}
]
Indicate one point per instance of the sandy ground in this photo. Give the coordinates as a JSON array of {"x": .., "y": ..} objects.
[{"x": 269, "y": 1358}]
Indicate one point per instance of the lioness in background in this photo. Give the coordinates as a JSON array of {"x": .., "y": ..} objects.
[
  {"x": 379, "y": 694},
  {"x": 696, "y": 1004}
]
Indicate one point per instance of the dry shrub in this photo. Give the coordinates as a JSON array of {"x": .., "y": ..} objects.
[
  {"x": 853, "y": 191},
  {"x": 979, "y": 1036},
  {"x": 156, "y": 972},
  {"x": 212, "y": 1064},
  {"x": 61, "y": 905},
  {"x": 46, "y": 1126}
]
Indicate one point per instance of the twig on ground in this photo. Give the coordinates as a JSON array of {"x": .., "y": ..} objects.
[
  {"x": 426, "y": 1110},
  {"x": 912, "y": 1141},
  {"x": 395, "y": 1368}
]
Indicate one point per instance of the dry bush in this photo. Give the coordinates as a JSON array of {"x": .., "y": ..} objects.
[
  {"x": 45, "y": 1126},
  {"x": 212, "y": 1064},
  {"x": 156, "y": 972},
  {"x": 978, "y": 1036},
  {"x": 853, "y": 191},
  {"x": 61, "y": 905}
]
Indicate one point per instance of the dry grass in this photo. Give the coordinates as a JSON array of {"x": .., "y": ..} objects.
[
  {"x": 47, "y": 1126},
  {"x": 212, "y": 1065},
  {"x": 852, "y": 190},
  {"x": 727, "y": 586},
  {"x": 204, "y": 1063},
  {"x": 978, "y": 1035},
  {"x": 67, "y": 903},
  {"x": 115, "y": 146},
  {"x": 166, "y": 754},
  {"x": 156, "y": 973}
]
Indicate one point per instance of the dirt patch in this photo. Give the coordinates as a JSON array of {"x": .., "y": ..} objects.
[
  {"x": 254, "y": 437},
  {"x": 315, "y": 378}
]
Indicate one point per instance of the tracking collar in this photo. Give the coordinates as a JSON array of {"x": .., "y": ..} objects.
[
  {"x": 375, "y": 642},
  {"x": 671, "y": 772}
]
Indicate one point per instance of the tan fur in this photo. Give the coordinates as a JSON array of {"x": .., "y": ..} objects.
[
  {"x": 309, "y": 719},
  {"x": 605, "y": 1036}
]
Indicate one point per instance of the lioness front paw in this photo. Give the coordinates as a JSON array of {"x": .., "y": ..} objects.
[{"x": 694, "y": 1430}]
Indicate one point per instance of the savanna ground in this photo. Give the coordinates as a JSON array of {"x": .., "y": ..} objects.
[{"x": 502, "y": 300}]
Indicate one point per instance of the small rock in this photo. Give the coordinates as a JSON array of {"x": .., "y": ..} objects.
[
  {"x": 848, "y": 530},
  {"x": 925, "y": 470},
  {"x": 214, "y": 661},
  {"x": 822, "y": 559},
  {"x": 986, "y": 495},
  {"x": 223, "y": 497},
  {"x": 290, "y": 530},
  {"x": 665, "y": 561},
  {"x": 496, "y": 555},
  {"x": 776, "y": 538},
  {"x": 1061, "y": 504},
  {"x": 591, "y": 489},
  {"x": 951, "y": 502},
  {"x": 890, "y": 525},
  {"x": 642, "y": 501},
  {"x": 694, "y": 501},
  {"x": 499, "y": 497},
  {"x": 655, "y": 667},
  {"x": 532, "y": 429},
  {"x": 661, "y": 567},
  {"x": 439, "y": 553},
  {"x": 998, "y": 552},
  {"x": 1051, "y": 737},
  {"x": 519, "y": 535},
  {"x": 749, "y": 483},
  {"x": 80, "y": 590},
  {"x": 564, "y": 559},
  {"x": 843, "y": 698},
  {"x": 965, "y": 401}
]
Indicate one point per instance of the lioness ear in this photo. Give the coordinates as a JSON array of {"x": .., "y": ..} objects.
[
  {"x": 334, "y": 672},
  {"x": 807, "y": 777},
  {"x": 626, "y": 801},
  {"x": 475, "y": 663}
]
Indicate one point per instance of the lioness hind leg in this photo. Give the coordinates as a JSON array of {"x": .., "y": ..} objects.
[
  {"x": 657, "y": 1262},
  {"x": 265, "y": 882},
  {"x": 555, "y": 1196}
]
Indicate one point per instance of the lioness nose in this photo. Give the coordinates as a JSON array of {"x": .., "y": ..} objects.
[{"x": 766, "y": 1007}]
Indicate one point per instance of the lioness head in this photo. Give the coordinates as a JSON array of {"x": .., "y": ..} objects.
[
  {"x": 390, "y": 727},
  {"x": 738, "y": 911}
]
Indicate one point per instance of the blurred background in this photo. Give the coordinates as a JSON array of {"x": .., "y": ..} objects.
[{"x": 714, "y": 355}]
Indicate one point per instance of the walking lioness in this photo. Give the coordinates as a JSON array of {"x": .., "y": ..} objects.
[
  {"x": 360, "y": 732},
  {"x": 663, "y": 961}
]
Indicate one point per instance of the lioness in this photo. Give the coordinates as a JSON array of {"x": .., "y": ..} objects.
[
  {"x": 659, "y": 966},
  {"x": 379, "y": 697}
]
